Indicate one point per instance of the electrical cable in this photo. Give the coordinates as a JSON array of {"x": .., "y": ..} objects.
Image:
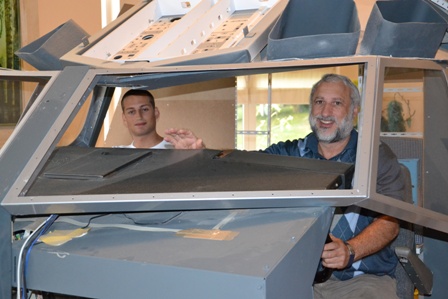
[
  {"x": 137, "y": 227},
  {"x": 94, "y": 217},
  {"x": 124, "y": 226},
  {"x": 152, "y": 223},
  {"x": 49, "y": 222},
  {"x": 34, "y": 236},
  {"x": 19, "y": 262}
]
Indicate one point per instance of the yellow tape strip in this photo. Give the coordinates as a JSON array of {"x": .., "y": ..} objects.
[
  {"x": 59, "y": 237},
  {"x": 209, "y": 234}
]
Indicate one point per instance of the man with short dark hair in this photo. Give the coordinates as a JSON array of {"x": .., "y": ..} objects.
[{"x": 140, "y": 116}]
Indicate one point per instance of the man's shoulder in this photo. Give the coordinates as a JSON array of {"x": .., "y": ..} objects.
[
  {"x": 288, "y": 147},
  {"x": 390, "y": 179},
  {"x": 385, "y": 153},
  {"x": 300, "y": 147},
  {"x": 387, "y": 161},
  {"x": 124, "y": 146},
  {"x": 163, "y": 145}
]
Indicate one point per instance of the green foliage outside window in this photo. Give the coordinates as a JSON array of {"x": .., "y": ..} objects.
[
  {"x": 10, "y": 97},
  {"x": 287, "y": 122}
]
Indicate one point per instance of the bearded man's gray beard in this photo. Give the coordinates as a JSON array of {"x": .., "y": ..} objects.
[{"x": 343, "y": 129}]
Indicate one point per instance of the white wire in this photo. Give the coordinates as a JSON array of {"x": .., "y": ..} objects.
[
  {"x": 19, "y": 260},
  {"x": 81, "y": 224},
  {"x": 124, "y": 226},
  {"x": 226, "y": 220}
]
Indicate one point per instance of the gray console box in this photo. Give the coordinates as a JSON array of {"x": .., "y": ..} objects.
[
  {"x": 408, "y": 28},
  {"x": 311, "y": 29},
  {"x": 273, "y": 255},
  {"x": 45, "y": 52}
]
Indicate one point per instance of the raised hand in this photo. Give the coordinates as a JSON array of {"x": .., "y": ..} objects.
[{"x": 183, "y": 139}]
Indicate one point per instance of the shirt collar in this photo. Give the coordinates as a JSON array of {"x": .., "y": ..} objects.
[{"x": 309, "y": 148}]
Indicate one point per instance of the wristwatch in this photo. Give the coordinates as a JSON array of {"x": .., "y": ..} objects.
[{"x": 351, "y": 252}]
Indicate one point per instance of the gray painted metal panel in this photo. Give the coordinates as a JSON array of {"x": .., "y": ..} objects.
[
  {"x": 93, "y": 171},
  {"x": 45, "y": 52},
  {"x": 6, "y": 261},
  {"x": 267, "y": 259},
  {"x": 416, "y": 29},
  {"x": 311, "y": 29}
]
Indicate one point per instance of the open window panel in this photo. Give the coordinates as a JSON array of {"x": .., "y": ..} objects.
[
  {"x": 18, "y": 92},
  {"x": 76, "y": 169},
  {"x": 402, "y": 120},
  {"x": 412, "y": 99}
]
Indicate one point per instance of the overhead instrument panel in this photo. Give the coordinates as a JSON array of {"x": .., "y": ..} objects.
[{"x": 235, "y": 31}]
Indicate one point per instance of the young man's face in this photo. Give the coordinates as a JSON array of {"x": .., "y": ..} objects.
[
  {"x": 331, "y": 116},
  {"x": 139, "y": 116}
]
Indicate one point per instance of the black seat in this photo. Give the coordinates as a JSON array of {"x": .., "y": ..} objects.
[{"x": 411, "y": 272}]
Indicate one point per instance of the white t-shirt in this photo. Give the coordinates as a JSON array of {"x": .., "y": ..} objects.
[{"x": 162, "y": 145}]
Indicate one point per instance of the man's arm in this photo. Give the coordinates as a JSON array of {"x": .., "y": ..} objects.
[
  {"x": 384, "y": 229},
  {"x": 371, "y": 240}
]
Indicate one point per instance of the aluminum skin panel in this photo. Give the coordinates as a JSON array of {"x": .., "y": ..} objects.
[{"x": 266, "y": 259}]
